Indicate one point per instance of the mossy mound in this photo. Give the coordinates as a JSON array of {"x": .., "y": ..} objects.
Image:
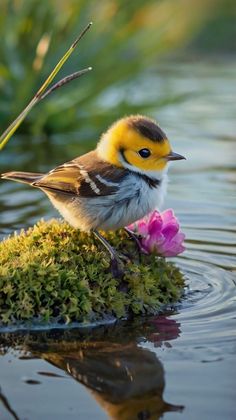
[{"x": 52, "y": 272}]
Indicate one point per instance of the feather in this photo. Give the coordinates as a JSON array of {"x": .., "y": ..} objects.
[
  {"x": 86, "y": 176},
  {"x": 25, "y": 177}
]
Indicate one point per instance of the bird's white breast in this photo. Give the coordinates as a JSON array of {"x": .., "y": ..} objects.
[{"x": 134, "y": 199}]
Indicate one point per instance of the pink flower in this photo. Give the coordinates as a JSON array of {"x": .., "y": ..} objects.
[{"x": 160, "y": 234}]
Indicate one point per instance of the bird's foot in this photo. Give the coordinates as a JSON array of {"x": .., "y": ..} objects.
[
  {"x": 115, "y": 264},
  {"x": 116, "y": 269},
  {"x": 136, "y": 239}
]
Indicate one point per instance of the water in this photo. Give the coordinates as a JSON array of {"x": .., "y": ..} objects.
[{"x": 182, "y": 363}]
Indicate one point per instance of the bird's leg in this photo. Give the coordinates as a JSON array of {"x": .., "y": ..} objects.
[
  {"x": 135, "y": 238},
  {"x": 116, "y": 270}
]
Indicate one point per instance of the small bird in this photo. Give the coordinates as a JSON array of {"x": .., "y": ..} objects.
[{"x": 119, "y": 182}]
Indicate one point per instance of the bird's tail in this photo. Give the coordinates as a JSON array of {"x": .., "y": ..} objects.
[{"x": 25, "y": 177}]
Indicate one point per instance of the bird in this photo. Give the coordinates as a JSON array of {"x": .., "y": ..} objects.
[{"x": 119, "y": 182}]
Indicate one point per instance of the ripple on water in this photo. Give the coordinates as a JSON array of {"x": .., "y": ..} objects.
[{"x": 208, "y": 309}]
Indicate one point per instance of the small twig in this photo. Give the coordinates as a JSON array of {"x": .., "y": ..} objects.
[{"x": 65, "y": 80}]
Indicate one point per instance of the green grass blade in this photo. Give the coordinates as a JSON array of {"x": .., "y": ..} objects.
[
  {"x": 61, "y": 62},
  {"x": 5, "y": 137},
  {"x": 38, "y": 96}
]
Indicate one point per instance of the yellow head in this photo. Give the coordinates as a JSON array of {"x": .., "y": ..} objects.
[{"x": 137, "y": 143}]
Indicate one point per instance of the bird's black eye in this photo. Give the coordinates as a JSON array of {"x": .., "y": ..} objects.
[{"x": 144, "y": 153}]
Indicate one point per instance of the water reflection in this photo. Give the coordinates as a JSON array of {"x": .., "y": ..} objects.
[
  {"x": 126, "y": 379},
  {"x": 7, "y": 405}
]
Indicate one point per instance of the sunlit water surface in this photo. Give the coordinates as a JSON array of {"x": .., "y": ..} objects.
[{"x": 181, "y": 364}]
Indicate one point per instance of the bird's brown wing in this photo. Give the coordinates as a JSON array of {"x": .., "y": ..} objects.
[{"x": 86, "y": 176}]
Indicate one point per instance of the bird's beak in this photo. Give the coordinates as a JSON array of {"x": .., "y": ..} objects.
[{"x": 174, "y": 156}]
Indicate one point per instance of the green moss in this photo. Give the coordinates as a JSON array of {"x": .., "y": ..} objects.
[{"x": 52, "y": 272}]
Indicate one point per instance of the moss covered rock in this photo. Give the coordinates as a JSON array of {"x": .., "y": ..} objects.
[{"x": 52, "y": 272}]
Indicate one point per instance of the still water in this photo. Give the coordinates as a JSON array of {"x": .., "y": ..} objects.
[{"x": 180, "y": 364}]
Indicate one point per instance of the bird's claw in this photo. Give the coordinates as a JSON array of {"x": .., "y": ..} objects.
[{"x": 116, "y": 270}]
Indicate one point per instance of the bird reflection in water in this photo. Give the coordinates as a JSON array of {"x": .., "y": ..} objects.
[{"x": 126, "y": 379}]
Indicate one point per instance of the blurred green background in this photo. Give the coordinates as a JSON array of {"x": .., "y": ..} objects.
[{"x": 126, "y": 40}]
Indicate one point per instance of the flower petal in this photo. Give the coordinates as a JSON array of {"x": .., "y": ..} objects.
[
  {"x": 142, "y": 227},
  {"x": 170, "y": 230},
  {"x": 160, "y": 233},
  {"x": 173, "y": 247},
  {"x": 168, "y": 215},
  {"x": 174, "y": 253},
  {"x": 155, "y": 227},
  {"x": 152, "y": 243}
]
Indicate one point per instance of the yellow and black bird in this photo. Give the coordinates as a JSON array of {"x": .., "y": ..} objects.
[{"x": 119, "y": 182}]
